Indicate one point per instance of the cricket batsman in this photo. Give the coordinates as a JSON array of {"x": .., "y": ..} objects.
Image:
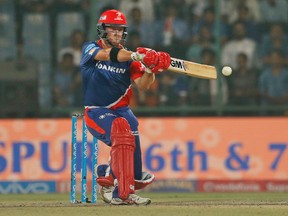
[{"x": 108, "y": 70}]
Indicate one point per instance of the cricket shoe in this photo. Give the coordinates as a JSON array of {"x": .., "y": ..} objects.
[
  {"x": 106, "y": 193},
  {"x": 132, "y": 199}
]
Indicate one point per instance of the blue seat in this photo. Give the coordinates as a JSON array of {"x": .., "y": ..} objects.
[
  {"x": 36, "y": 36},
  {"x": 8, "y": 44},
  {"x": 67, "y": 22}
]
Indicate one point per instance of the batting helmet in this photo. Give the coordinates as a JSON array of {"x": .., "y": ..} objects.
[{"x": 111, "y": 18}]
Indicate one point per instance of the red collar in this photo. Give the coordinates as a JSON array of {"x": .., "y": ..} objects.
[{"x": 99, "y": 42}]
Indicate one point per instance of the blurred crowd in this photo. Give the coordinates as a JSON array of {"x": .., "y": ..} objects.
[{"x": 251, "y": 36}]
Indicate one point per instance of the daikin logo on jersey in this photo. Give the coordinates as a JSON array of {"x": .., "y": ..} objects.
[{"x": 99, "y": 65}]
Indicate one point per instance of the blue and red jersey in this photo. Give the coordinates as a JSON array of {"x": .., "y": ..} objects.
[{"x": 105, "y": 83}]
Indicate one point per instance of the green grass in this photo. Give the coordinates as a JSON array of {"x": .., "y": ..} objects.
[{"x": 167, "y": 204}]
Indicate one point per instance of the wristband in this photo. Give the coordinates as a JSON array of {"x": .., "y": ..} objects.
[{"x": 114, "y": 54}]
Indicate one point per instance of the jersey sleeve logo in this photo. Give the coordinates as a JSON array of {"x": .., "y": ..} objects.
[
  {"x": 92, "y": 51},
  {"x": 89, "y": 48}
]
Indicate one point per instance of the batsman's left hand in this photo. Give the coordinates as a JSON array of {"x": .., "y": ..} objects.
[{"x": 151, "y": 58}]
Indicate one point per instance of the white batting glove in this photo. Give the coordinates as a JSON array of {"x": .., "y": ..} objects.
[{"x": 135, "y": 56}]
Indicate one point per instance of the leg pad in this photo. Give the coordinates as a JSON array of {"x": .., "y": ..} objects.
[{"x": 122, "y": 156}]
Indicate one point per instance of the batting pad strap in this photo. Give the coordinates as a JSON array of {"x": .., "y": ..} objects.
[
  {"x": 105, "y": 181},
  {"x": 147, "y": 178},
  {"x": 114, "y": 54}
]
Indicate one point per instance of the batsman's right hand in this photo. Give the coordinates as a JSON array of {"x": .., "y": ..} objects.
[
  {"x": 163, "y": 63},
  {"x": 155, "y": 61}
]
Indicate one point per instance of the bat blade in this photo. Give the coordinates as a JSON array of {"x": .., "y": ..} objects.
[{"x": 193, "y": 69}]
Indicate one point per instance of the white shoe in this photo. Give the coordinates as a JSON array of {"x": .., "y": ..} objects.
[
  {"x": 106, "y": 193},
  {"x": 133, "y": 199}
]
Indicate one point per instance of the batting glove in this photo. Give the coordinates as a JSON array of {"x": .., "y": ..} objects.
[{"x": 164, "y": 62}]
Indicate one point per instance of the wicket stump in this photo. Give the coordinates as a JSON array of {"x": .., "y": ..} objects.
[{"x": 84, "y": 157}]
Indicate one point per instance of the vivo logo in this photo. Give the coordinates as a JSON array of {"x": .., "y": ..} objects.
[{"x": 27, "y": 187}]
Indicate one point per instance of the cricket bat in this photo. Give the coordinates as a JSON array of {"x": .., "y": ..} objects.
[{"x": 193, "y": 69}]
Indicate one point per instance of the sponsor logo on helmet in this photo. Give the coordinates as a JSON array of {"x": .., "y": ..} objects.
[
  {"x": 103, "y": 17},
  {"x": 118, "y": 16}
]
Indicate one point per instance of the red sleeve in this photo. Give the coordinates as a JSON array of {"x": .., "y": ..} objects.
[{"x": 136, "y": 69}]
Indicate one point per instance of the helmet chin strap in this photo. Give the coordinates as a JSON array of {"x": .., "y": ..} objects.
[
  {"x": 104, "y": 37},
  {"x": 109, "y": 42}
]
